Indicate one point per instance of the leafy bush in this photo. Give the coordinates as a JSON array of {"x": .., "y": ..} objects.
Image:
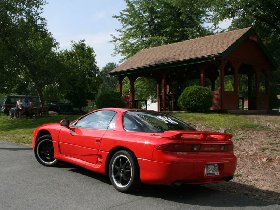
[
  {"x": 109, "y": 99},
  {"x": 196, "y": 99}
]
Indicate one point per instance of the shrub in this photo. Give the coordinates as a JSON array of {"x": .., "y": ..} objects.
[
  {"x": 196, "y": 99},
  {"x": 109, "y": 99}
]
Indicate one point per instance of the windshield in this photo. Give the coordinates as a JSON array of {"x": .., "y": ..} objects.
[{"x": 152, "y": 122}]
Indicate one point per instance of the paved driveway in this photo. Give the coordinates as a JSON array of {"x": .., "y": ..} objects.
[{"x": 25, "y": 184}]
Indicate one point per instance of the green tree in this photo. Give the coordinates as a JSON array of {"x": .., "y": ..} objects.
[
  {"x": 109, "y": 99},
  {"x": 108, "y": 82},
  {"x": 81, "y": 78},
  {"x": 27, "y": 46},
  {"x": 148, "y": 23},
  {"x": 243, "y": 13}
]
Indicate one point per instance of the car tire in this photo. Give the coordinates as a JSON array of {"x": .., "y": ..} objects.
[
  {"x": 44, "y": 151},
  {"x": 124, "y": 171}
]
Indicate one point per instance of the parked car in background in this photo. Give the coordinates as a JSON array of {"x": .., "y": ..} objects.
[
  {"x": 137, "y": 146},
  {"x": 64, "y": 108},
  {"x": 10, "y": 101}
]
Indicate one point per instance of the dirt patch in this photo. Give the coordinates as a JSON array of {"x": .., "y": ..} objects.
[
  {"x": 258, "y": 159},
  {"x": 258, "y": 153}
]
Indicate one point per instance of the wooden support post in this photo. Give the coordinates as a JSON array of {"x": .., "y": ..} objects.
[
  {"x": 202, "y": 75},
  {"x": 163, "y": 92},
  {"x": 120, "y": 80},
  {"x": 257, "y": 84},
  {"x": 267, "y": 78},
  {"x": 236, "y": 66},
  {"x": 249, "y": 85},
  {"x": 222, "y": 70},
  {"x": 158, "y": 96},
  {"x": 131, "y": 91}
]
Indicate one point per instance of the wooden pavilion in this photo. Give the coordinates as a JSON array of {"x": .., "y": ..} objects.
[{"x": 219, "y": 61}]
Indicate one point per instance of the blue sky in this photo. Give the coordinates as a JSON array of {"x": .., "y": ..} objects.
[
  {"x": 85, "y": 19},
  {"x": 90, "y": 20}
]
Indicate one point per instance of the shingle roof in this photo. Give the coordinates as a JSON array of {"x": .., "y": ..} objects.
[{"x": 199, "y": 48}]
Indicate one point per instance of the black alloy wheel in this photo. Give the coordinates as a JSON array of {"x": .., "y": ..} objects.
[
  {"x": 44, "y": 151},
  {"x": 124, "y": 171}
]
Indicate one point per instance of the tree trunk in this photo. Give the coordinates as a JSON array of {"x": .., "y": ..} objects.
[{"x": 40, "y": 93}]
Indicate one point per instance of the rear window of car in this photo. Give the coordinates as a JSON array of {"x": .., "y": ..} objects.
[{"x": 152, "y": 122}]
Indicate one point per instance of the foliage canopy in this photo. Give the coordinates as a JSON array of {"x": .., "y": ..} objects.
[
  {"x": 27, "y": 48},
  {"x": 148, "y": 23},
  {"x": 80, "y": 79}
]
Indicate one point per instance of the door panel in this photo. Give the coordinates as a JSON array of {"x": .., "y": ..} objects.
[
  {"x": 81, "y": 143},
  {"x": 82, "y": 140}
]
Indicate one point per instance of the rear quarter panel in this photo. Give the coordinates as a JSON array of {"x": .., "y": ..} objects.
[{"x": 141, "y": 144}]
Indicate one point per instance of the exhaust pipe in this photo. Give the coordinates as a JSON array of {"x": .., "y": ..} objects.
[{"x": 228, "y": 178}]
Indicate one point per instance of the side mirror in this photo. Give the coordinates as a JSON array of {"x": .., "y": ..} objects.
[{"x": 65, "y": 123}]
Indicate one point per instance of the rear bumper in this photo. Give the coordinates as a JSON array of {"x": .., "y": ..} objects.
[{"x": 188, "y": 170}]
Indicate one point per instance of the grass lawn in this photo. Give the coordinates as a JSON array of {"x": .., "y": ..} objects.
[
  {"x": 20, "y": 130},
  {"x": 225, "y": 122}
]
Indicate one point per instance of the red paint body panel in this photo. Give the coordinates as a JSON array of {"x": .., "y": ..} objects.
[
  {"x": 80, "y": 143},
  {"x": 90, "y": 149},
  {"x": 189, "y": 169}
]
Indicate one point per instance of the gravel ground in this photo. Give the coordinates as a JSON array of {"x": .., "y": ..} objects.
[{"x": 258, "y": 153}]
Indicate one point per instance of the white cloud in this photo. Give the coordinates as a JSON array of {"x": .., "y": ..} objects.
[
  {"x": 91, "y": 39},
  {"x": 99, "y": 16},
  {"x": 96, "y": 39}
]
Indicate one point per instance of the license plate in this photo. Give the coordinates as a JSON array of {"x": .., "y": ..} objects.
[{"x": 211, "y": 170}]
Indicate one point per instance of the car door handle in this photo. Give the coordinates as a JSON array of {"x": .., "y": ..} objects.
[{"x": 97, "y": 139}]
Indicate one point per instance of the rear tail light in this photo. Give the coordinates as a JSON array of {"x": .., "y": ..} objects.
[
  {"x": 175, "y": 147},
  {"x": 228, "y": 137},
  {"x": 201, "y": 136},
  {"x": 215, "y": 137},
  {"x": 193, "y": 136},
  {"x": 181, "y": 147},
  {"x": 216, "y": 148}
]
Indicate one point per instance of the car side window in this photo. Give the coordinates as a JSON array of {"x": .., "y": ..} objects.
[
  {"x": 131, "y": 124},
  {"x": 99, "y": 120}
]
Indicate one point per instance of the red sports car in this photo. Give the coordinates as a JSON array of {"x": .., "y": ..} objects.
[{"x": 136, "y": 146}]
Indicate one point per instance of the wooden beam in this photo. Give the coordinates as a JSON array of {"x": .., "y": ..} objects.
[
  {"x": 202, "y": 69},
  {"x": 222, "y": 77},
  {"x": 158, "y": 96},
  {"x": 257, "y": 84},
  {"x": 236, "y": 65},
  {"x": 163, "y": 91},
  {"x": 120, "y": 85},
  {"x": 131, "y": 91}
]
